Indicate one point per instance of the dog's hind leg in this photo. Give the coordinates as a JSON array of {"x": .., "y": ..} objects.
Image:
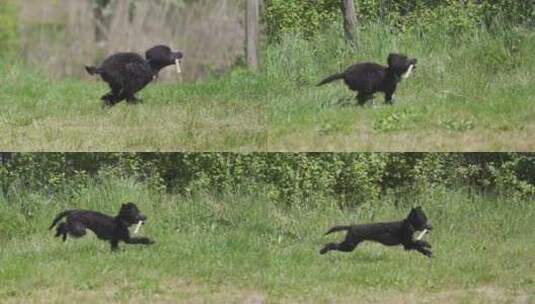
[
  {"x": 347, "y": 245},
  {"x": 114, "y": 96},
  {"x": 328, "y": 247},
  {"x": 75, "y": 229},
  {"x": 139, "y": 240},
  {"x": 363, "y": 98},
  {"x": 62, "y": 230},
  {"x": 114, "y": 245}
]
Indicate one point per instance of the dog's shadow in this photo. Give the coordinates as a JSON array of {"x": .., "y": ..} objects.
[
  {"x": 362, "y": 257},
  {"x": 346, "y": 102},
  {"x": 366, "y": 257}
]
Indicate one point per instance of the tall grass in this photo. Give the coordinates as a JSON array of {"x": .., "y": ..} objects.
[{"x": 234, "y": 248}]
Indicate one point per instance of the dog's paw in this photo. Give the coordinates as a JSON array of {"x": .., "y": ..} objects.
[
  {"x": 106, "y": 104},
  {"x": 134, "y": 101}
]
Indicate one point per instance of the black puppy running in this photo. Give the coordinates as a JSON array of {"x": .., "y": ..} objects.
[
  {"x": 368, "y": 78},
  {"x": 112, "y": 229},
  {"x": 128, "y": 73},
  {"x": 389, "y": 234}
]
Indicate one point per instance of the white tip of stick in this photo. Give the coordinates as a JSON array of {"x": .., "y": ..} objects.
[
  {"x": 177, "y": 65},
  {"x": 421, "y": 235},
  {"x": 138, "y": 226},
  {"x": 408, "y": 73}
]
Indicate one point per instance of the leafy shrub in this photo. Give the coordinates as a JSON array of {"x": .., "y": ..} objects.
[
  {"x": 508, "y": 182},
  {"x": 297, "y": 16},
  {"x": 453, "y": 16},
  {"x": 300, "y": 180}
]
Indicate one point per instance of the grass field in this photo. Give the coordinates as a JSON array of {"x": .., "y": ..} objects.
[
  {"x": 472, "y": 92},
  {"x": 247, "y": 249}
]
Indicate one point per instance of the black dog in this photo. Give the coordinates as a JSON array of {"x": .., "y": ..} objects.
[
  {"x": 113, "y": 229},
  {"x": 389, "y": 234},
  {"x": 368, "y": 78},
  {"x": 128, "y": 73}
]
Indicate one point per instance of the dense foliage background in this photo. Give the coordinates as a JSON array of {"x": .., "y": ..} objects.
[
  {"x": 311, "y": 16},
  {"x": 308, "y": 17},
  {"x": 297, "y": 179}
]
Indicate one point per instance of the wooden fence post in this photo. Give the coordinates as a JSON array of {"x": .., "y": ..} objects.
[
  {"x": 350, "y": 19},
  {"x": 252, "y": 29}
]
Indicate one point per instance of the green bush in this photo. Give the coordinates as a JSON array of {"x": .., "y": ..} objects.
[
  {"x": 300, "y": 180},
  {"x": 310, "y": 17},
  {"x": 305, "y": 17}
]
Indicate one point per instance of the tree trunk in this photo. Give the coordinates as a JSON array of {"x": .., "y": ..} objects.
[
  {"x": 350, "y": 19},
  {"x": 101, "y": 21},
  {"x": 252, "y": 25}
]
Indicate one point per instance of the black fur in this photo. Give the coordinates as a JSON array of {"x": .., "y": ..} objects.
[
  {"x": 389, "y": 234},
  {"x": 112, "y": 229},
  {"x": 128, "y": 73},
  {"x": 368, "y": 78}
]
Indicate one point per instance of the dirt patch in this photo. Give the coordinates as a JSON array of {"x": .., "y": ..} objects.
[{"x": 485, "y": 294}]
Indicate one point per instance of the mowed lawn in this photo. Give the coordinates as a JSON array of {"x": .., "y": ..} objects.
[
  {"x": 473, "y": 93},
  {"x": 248, "y": 249},
  {"x": 46, "y": 115}
]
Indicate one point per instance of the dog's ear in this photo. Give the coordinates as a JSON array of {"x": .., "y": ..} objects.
[
  {"x": 413, "y": 212},
  {"x": 391, "y": 59}
]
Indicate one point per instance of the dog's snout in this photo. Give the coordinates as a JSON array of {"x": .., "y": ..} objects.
[{"x": 429, "y": 227}]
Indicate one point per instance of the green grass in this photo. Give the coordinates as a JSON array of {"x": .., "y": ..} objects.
[
  {"x": 469, "y": 93},
  {"x": 234, "y": 248},
  {"x": 45, "y": 115}
]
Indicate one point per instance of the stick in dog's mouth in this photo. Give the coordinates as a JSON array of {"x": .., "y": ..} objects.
[
  {"x": 138, "y": 226},
  {"x": 421, "y": 235},
  {"x": 177, "y": 65},
  {"x": 408, "y": 73}
]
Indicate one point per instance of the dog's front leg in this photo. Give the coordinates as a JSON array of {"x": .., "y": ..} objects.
[
  {"x": 423, "y": 251},
  {"x": 389, "y": 99},
  {"x": 362, "y": 98},
  {"x": 114, "y": 245},
  {"x": 422, "y": 243},
  {"x": 139, "y": 240},
  {"x": 418, "y": 247}
]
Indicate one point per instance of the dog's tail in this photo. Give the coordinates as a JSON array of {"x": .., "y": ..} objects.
[
  {"x": 331, "y": 79},
  {"x": 338, "y": 228},
  {"x": 59, "y": 217},
  {"x": 92, "y": 70}
]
